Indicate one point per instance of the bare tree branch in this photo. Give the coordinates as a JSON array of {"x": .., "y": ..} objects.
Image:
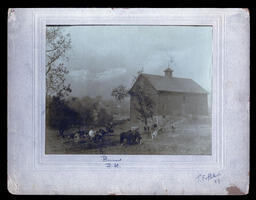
[{"x": 57, "y": 45}]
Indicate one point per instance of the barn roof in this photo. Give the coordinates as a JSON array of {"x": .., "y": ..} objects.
[{"x": 174, "y": 84}]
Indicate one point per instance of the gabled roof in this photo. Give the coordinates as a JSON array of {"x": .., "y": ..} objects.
[{"x": 174, "y": 84}]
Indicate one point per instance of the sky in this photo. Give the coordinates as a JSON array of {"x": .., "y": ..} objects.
[{"x": 103, "y": 57}]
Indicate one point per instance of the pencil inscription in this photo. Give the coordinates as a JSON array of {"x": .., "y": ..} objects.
[
  {"x": 111, "y": 163},
  {"x": 215, "y": 177}
]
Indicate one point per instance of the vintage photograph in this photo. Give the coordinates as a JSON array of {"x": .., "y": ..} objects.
[
  {"x": 133, "y": 90},
  {"x": 128, "y": 101}
]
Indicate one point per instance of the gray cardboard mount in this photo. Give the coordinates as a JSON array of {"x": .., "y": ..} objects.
[{"x": 226, "y": 171}]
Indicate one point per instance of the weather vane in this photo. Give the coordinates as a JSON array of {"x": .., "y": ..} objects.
[{"x": 170, "y": 61}]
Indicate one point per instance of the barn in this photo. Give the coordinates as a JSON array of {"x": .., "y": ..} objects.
[{"x": 171, "y": 95}]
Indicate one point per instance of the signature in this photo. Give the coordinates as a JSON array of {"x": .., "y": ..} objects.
[
  {"x": 111, "y": 163},
  {"x": 209, "y": 177},
  {"x": 106, "y": 159}
]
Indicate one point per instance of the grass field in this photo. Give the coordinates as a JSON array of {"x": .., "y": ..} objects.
[{"x": 189, "y": 138}]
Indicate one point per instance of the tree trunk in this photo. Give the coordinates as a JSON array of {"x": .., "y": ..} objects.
[{"x": 146, "y": 121}]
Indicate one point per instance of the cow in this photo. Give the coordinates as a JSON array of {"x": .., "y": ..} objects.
[
  {"x": 154, "y": 126},
  {"x": 82, "y": 133},
  {"x": 98, "y": 137},
  {"x": 71, "y": 136},
  {"x": 146, "y": 128},
  {"x": 173, "y": 127},
  {"x": 154, "y": 133},
  {"x": 76, "y": 137},
  {"x": 92, "y": 133},
  {"x": 109, "y": 129}
]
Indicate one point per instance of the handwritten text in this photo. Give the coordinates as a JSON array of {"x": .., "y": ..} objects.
[
  {"x": 111, "y": 163},
  {"x": 208, "y": 177}
]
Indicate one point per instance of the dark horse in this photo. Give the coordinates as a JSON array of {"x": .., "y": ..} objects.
[
  {"x": 130, "y": 137},
  {"x": 99, "y": 136}
]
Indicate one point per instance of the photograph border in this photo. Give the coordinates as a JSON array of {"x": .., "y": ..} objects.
[
  {"x": 131, "y": 17},
  {"x": 31, "y": 171}
]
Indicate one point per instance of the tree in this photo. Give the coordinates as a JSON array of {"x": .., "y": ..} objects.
[
  {"x": 145, "y": 104},
  {"x": 119, "y": 93},
  {"x": 104, "y": 118},
  {"x": 61, "y": 116},
  {"x": 57, "y": 45},
  {"x": 84, "y": 107}
]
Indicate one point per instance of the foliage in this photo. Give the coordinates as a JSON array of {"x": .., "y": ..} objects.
[
  {"x": 145, "y": 104},
  {"x": 84, "y": 108},
  {"x": 119, "y": 93},
  {"x": 104, "y": 118},
  {"x": 92, "y": 110},
  {"x": 57, "y": 45},
  {"x": 61, "y": 117}
]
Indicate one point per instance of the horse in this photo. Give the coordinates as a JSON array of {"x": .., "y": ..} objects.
[{"x": 130, "y": 138}]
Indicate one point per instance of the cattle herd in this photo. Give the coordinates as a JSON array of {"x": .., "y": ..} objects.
[
  {"x": 129, "y": 137},
  {"x": 92, "y": 134}
]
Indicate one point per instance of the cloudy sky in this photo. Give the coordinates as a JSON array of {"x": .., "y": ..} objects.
[{"x": 103, "y": 57}]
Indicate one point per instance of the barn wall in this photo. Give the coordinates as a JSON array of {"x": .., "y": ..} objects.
[
  {"x": 173, "y": 103},
  {"x": 196, "y": 104},
  {"x": 133, "y": 115},
  {"x": 169, "y": 104}
]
